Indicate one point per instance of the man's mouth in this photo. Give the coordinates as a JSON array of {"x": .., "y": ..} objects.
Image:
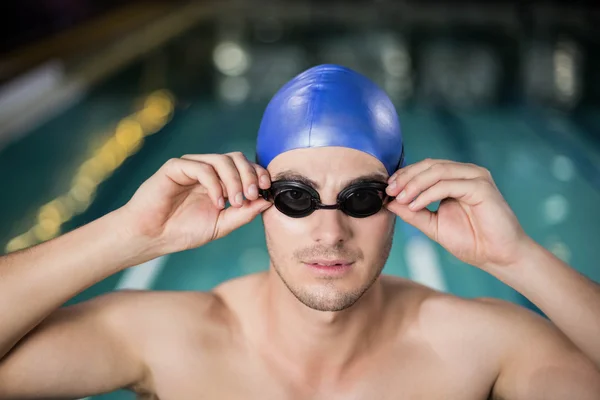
[
  {"x": 330, "y": 267},
  {"x": 329, "y": 263}
]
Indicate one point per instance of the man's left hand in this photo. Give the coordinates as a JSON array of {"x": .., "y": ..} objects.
[{"x": 473, "y": 221}]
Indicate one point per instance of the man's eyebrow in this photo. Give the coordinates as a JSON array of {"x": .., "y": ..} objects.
[
  {"x": 290, "y": 175},
  {"x": 374, "y": 177}
]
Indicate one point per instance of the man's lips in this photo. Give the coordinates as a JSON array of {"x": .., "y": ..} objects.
[{"x": 329, "y": 263}]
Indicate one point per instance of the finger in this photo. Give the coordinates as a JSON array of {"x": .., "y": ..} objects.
[
  {"x": 176, "y": 172},
  {"x": 264, "y": 178},
  {"x": 188, "y": 172},
  {"x": 228, "y": 174},
  {"x": 234, "y": 217},
  {"x": 399, "y": 171},
  {"x": 423, "y": 164},
  {"x": 434, "y": 174},
  {"x": 247, "y": 174},
  {"x": 402, "y": 176},
  {"x": 468, "y": 191},
  {"x": 424, "y": 220}
]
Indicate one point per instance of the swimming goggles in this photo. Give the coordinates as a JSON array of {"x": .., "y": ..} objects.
[{"x": 297, "y": 199}]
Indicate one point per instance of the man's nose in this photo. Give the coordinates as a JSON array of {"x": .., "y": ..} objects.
[{"x": 331, "y": 227}]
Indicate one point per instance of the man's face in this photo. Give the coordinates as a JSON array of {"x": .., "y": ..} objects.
[{"x": 302, "y": 248}]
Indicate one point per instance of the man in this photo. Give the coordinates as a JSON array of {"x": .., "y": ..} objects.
[{"x": 322, "y": 323}]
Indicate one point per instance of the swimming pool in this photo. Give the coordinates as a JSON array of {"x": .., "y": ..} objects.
[{"x": 546, "y": 163}]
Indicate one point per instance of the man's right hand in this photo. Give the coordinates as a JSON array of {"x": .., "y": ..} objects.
[{"x": 182, "y": 205}]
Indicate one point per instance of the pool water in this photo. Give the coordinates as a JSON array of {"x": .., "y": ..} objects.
[{"x": 546, "y": 163}]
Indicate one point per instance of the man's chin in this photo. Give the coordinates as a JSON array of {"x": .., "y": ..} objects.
[
  {"x": 329, "y": 291},
  {"x": 327, "y": 298}
]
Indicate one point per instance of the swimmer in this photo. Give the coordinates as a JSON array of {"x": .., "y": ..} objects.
[{"x": 323, "y": 322}]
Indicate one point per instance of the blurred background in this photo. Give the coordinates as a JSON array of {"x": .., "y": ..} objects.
[{"x": 96, "y": 95}]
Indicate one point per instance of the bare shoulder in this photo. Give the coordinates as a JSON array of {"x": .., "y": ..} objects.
[
  {"x": 146, "y": 318},
  {"x": 484, "y": 331},
  {"x": 142, "y": 304},
  {"x": 190, "y": 313},
  {"x": 512, "y": 326},
  {"x": 518, "y": 350},
  {"x": 537, "y": 359},
  {"x": 489, "y": 323},
  {"x": 439, "y": 311}
]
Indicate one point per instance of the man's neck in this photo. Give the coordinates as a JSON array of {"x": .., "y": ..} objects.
[{"x": 323, "y": 344}]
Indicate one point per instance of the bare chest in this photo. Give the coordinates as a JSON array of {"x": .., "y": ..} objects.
[{"x": 417, "y": 375}]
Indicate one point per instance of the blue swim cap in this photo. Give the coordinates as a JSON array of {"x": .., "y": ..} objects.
[{"x": 330, "y": 105}]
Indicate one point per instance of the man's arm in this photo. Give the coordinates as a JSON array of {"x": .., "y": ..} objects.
[
  {"x": 538, "y": 361},
  {"x": 484, "y": 232},
  {"x": 45, "y": 353},
  {"x": 41, "y": 358},
  {"x": 78, "y": 351},
  {"x": 37, "y": 281},
  {"x": 568, "y": 298}
]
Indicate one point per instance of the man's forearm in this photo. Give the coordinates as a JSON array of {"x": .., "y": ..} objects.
[
  {"x": 568, "y": 298},
  {"x": 36, "y": 281}
]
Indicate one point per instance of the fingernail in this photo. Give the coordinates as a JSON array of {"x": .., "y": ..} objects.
[
  {"x": 264, "y": 180},
  {"x": 252, "y": 190},
  {"x": 221, "y": 202},
  {"x": 392, "y": 185},
  {"x": 239, "y": 198},
  {"x": 402, "y": 194},
  {"x": 412, "y": 204}
]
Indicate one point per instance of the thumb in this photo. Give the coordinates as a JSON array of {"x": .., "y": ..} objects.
[
  {"x": 232, "y": 218},
  {"x": 424, "y": 220}
]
